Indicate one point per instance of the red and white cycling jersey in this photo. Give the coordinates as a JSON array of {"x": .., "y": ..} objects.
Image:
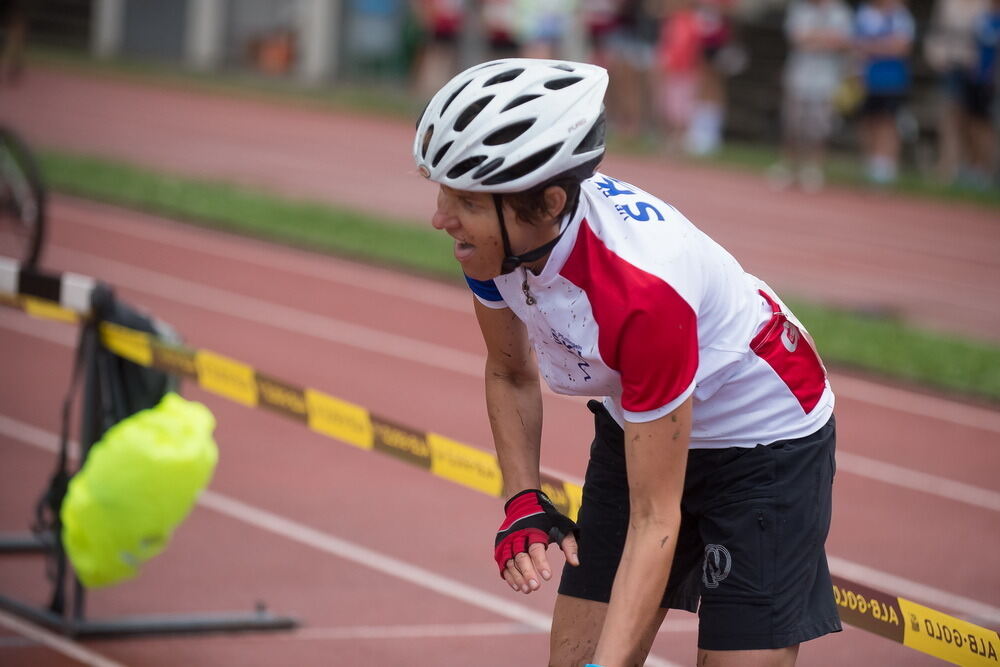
[{"x": 637, "y": 305}]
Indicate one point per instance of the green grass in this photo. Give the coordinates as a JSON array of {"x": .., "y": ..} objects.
[{"x": 880, "y": 346}]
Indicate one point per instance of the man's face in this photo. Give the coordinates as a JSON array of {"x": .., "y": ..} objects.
[{"x": 470, "y": 218}]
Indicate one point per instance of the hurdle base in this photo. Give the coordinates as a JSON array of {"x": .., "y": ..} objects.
[
  {"x": 23, "y": 543},
  {"x": 150, "y": 625}
]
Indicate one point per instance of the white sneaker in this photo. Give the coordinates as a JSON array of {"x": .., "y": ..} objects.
[
  {"x": 780, "y": 177},
  {"x": 811, "y": 178}
]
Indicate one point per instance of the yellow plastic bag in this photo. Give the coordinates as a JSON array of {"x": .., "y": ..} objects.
[{"x": 137, "y": 485}]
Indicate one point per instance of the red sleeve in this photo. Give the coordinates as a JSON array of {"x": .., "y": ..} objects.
[
  {"x": 646, "y": 330},
  {"x": 657, "y": 349}
]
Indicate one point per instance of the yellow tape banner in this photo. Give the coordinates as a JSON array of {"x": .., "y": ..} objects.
[
  {"x": 134, "y": 345},
  {"x": 948, "y": 638},
  {"x": 916, "y": 626},
  {"x": 897, "y": 619}
]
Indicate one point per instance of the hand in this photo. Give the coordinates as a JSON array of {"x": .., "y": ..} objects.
[{"x": 532, "y": 523}]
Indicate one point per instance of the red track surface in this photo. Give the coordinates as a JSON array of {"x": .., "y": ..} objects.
[
  {"x": 220, "y": 563},
  {"x": 408, "y": 349}
]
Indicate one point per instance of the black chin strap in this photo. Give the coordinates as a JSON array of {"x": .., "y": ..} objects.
[{"x": 510, "y": 260}]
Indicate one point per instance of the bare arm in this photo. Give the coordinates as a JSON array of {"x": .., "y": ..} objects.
[
  {"x": 514, "y": 405},
  {"x": 656, "y": 460},
  {"x": 513, "y": 397}
]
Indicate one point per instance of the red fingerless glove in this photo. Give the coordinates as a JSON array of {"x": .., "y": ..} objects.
[{"x": 531, "y": 518}]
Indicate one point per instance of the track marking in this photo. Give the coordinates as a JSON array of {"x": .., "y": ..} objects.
[
  {"x": 918, "y": 481},
  {"x": 966, "y": 607},
  {"x": 914, "y": 403},
  {"x": 450, "y": 630},
  {"x": 262, "y": 253},
  {"x": 55, "y": 642},
  {"x": 360, "y": 555},
  {"x": 416, "y": 351}
]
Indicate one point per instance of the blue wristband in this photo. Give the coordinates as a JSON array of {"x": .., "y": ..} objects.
[{"x": 590, "y": 664}]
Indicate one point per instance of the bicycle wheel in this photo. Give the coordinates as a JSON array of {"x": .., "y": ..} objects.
[{"x": 22, "y": 201}]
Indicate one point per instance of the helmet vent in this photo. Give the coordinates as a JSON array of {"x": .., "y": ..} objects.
[
  {"x": 559, "y": 84},
  {"x": 509, "y": 75},
  {"x": 525, "y": 166},
  {"x": 465, "y": 165},
  {"x": 563, "y": 66},
  {"x": 518, "y": 101},
  {"x": 440, "y": 153},
  {"x": 488, "y": 167},
  {"x": 453, "y": 96},
  {"x": 471, "y": 112},
  {"x": 505, "y": 135},
  {"x": 426, "y": 141},
  {"x": 594, "y": 138}
]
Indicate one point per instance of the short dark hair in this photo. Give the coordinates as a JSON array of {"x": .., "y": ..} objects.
[{"x": 530, "y": 204}]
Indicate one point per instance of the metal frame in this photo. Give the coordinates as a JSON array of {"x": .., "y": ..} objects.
[{"x": 67, "y": 613}]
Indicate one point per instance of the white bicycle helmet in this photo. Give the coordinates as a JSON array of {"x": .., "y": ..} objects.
[{"x": 510, "y": 125}]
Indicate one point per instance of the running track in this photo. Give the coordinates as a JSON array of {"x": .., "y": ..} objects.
[
  {"x": 934, "y": 263},
  {"x": 387, "y": 565}
]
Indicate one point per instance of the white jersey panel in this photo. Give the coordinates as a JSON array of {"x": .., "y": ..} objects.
[{"x": 637, "y": 305}]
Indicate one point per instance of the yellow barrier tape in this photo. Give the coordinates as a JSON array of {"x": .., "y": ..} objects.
[
  {"x": 340, "y": 420},
  {"x": 226, "y": 377},
  {"x": 129, "y": 343},
  {"x": 465, "y": 465},
  {"x": 951, "y": 639},
  {"x": 900, "y": 620},
  {"x": 48, "y": 310}
]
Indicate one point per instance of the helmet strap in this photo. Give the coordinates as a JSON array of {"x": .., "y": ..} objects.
[{"x": 510, "y": 260}]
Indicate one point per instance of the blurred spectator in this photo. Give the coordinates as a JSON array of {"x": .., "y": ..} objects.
[
  {"x": 542, "y": 26},
  {"x": 599, "y": 18},
  {"x": 631, "y": 51},
  {"x": 819, "y": 32},
  {"x": 950, "y": 49},
  {"x": 883, "y": 31},
  {"x": 437, "y": 58},
  {"x": 500, "y": 23},
  {"x": 679, "y": 61},
  {"x": 722, "y": 57},
  {"x": 981, "y": 101},
  {"x": 375, "y": 32},
  {"x": 14, "y": 26}
]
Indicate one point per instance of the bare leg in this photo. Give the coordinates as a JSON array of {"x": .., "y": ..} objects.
[
  {"x": 576, "y": 627},
  {"x": 780, "y": 657}
]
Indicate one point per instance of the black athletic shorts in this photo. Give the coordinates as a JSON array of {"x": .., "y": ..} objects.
[{"x": 750, "y": 549}]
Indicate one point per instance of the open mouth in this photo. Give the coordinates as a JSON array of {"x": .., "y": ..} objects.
[{"x": 463, "y": 250}]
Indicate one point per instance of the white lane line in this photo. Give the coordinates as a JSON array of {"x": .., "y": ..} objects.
[
  {"x": 298, "y": 262},
  {"x": 855, "y": 464},
  {"x": 435, "y": 294},
  {"x": 936, "y": 598},
  {"x": 431, "y": 631},
  {"x": 360, "y": 555},
  {"x": 973, "y": 611},
  {"x": 914, "y": 403},
  {"x": 918, "y": 481},
  {"x": 55, "y": 642},
  {"x": 416, "y": 351},
  {"x": 215, "y": 300},
  {"x": 448, "y": 630}
]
